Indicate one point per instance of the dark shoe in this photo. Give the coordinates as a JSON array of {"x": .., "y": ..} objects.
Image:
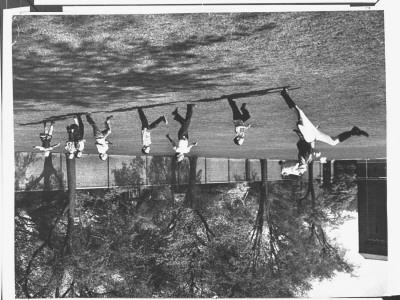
[
  {"x": 89, "y": 114},
  {"x": 109, "y": 117},
  {"x": 192, "y": 105},
  {"x": 52, "y": 122},
  {"x": 165, "y": 120},
  {"x": 357, "y": 131},
  {"x": 243, "y": 106},
  {"x": 176, "y": 111}
]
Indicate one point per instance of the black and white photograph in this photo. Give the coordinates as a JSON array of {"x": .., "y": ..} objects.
[{"x": 199, "y": 154}]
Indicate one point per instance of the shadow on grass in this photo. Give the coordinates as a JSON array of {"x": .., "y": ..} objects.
[
  {"x": 204, "y": 100},
  {"x": 83, "y": 69}
]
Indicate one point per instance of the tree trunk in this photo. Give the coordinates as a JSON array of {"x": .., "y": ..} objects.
[
  {"x": 71, "y": 177},
  {"x": 189, "y": 198}
]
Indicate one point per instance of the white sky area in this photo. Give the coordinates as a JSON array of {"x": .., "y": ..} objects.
[{"x": 372, "y": 275}]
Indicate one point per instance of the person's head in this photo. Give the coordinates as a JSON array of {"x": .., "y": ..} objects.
[
  {"x": 78, "y": 154},
  {"x": 146, "y": 150},
  {"x": 238, "y": 140},
  {"x": 46, "y": 153},
  {"x": 179, "y": 157},
  {"x": 103, "y": 156},
  {"x": 71, "y": 155}
]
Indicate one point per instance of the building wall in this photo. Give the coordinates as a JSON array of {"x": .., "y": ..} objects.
[{"x": 372, "y": 207}]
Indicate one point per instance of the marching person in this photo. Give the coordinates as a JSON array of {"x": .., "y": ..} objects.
[
  {"x": 75, "y": 143},
  {"x": 239, "y": 119},
  {"x": 146, "y": 129},
  {"x": 46, "y": 137},
  {"x": 308, "y": 135},
  {"x": 183, "y": 134},
  {"x": 100, "y": 136}
]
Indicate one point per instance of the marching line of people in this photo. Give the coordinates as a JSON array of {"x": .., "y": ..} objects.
[{"x": 308, "y": 134}]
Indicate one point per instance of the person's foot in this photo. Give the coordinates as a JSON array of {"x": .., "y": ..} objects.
[
  {"x": 284, "y": 90},
  {"x": 52, "y": 122},
  {"x": 89, "y": 114},
  {"x": 74, "y": 117},
  {"x": 243, "y": 106},
  {"x": 191, "y": 104},
  {"x": 167, "y": 135},
  {"x": 109, "y": 118},
  {"x": 176, "y": 111},
  {"x": 44, "y": 123},
  {"x": 165, "y": 120},
  {"x": 357, "y": 131}
]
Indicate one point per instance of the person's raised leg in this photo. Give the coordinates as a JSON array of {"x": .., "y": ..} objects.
[
  {"x": 235, "y": 110},
  {"x": 289, "y": 101},
  {"x": 96, "y": 130},
  {"x": 177, "y": 116},
  {"x": 189, "y": 111},
  {"x": 158, "y": 121},
  {"x": 51, "y": 128},
  {"x": 81, "y": 126},
  {"x": 184, "y": 130},
  {"x": 245, "y": 113},
  {"x": 107, "y": 124},
  {"x": 143, "y": 119},
  {"x": 89, "y": 119},
  {"x": 45, "y": 129},
  {"x": 347, "y": 134}
]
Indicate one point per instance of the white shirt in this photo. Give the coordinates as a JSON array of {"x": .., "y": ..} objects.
[
  {"x": 70, "y": 147},
  {"x": 146, "y": 138},
  {"x": 80, "y": 145},
  {"x": 239, "y": 127},
  {"x": 183, "y": 146},
  {"x": 102, "y": 145}
]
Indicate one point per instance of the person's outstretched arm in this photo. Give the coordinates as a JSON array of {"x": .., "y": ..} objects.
[
  {"x": 192, "y": 145},
  {"x": 171, "y": 140},
  {"x": 54, "y": 146}
]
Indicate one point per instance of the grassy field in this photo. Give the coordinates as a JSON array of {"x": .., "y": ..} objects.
[{"x": 113, "y": 64}]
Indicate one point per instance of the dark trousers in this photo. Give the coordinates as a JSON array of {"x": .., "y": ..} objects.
[
  {"x": 145, "y": 123},
  {"x": 183, "y": 132},
  {"x": 75, "y": 132},
  {"x": 237, "y": 115},
  {"x": 97, "y": 133}
]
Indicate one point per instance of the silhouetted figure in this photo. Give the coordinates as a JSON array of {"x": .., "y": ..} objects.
[
  {"x": 100, "y": 136},
  {"x": 308, "y": 134},
  {"x": 46, "y": 137},
  {"x": 239, "y": 119},
  {"x": 75, "y": 143},
  {"x": 183, "y": 134},
  {"x": 146, "y": 129}
]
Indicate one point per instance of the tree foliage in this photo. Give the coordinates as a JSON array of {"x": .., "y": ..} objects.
[{"x": 235, "y": 240}]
